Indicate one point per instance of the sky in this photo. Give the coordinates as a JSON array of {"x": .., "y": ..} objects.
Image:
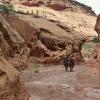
[{"x": 95, "y": 4}]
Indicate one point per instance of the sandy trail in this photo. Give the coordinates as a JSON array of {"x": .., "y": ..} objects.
[{"x": 54, "y": 83}]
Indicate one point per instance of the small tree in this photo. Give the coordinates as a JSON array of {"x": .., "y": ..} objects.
[{"x": 7, "y": 8}]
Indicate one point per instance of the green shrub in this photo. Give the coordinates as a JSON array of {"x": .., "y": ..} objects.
[
  {"x": 36, "y": 68},
  {"x": 96, "y": 39},
  {"x": 7, "y": 8}
]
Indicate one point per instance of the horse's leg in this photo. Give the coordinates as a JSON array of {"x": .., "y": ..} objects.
[
  {"x": 71, "y": 68},
  {"x": 66, "y": 67}
]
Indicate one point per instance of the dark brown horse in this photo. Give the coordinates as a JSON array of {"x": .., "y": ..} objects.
[{"x": 69, "y": 63}]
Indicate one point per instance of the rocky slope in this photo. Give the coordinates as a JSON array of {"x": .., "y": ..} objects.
[
  {"x": 57, "y": 5},
  {"x": 48, "y": 43},
  {"x": 55, "y": 25},
  {"x": 67, "y": 12},
  {"x": 11, "y": 86}
]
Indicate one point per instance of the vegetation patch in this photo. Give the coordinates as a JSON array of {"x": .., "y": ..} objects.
[
  {"x": 95, "y": 39},
  {"x": 7, "y": 8},
  {"x": 36, "y": 67},
  {"x": 88, "y": 48}
]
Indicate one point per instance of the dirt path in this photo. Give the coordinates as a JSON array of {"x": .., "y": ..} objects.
[{"x": 54, "y": 83}]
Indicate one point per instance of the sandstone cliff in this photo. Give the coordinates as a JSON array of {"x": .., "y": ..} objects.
[
  {"x": 67, "y": 12},
  {"x": 95, "y": 58},
  {"x": 48, "y": 43},
  {"x": 97, "y": 26},
  {"x": 11, "y": 86},
  {"x": 59, "y": 5}
]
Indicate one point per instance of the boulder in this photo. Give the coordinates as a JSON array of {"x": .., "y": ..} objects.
[
  {"x": 94, "y": 60},
  {"x": 11, "y": 86}
]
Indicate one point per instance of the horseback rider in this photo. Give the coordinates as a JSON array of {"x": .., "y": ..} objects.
[{"x": 69, "y": 63}]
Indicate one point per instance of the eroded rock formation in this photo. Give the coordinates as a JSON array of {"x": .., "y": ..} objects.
[
  {"x": 11, "y": 86},
  {"x": 48, "y": 41}
]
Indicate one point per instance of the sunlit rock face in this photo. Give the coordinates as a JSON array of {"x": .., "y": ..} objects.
[
  {"x": 49, "y": 41},
  {"x": 95, "y": 58},
  {"x": 53, "y": 41},
  {"x": 97, "y": 26}
]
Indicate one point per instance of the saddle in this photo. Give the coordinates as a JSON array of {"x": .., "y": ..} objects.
[{"x": 66, "y": 61}]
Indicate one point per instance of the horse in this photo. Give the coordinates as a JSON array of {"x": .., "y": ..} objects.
[{"x": 69, "y": 63}]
